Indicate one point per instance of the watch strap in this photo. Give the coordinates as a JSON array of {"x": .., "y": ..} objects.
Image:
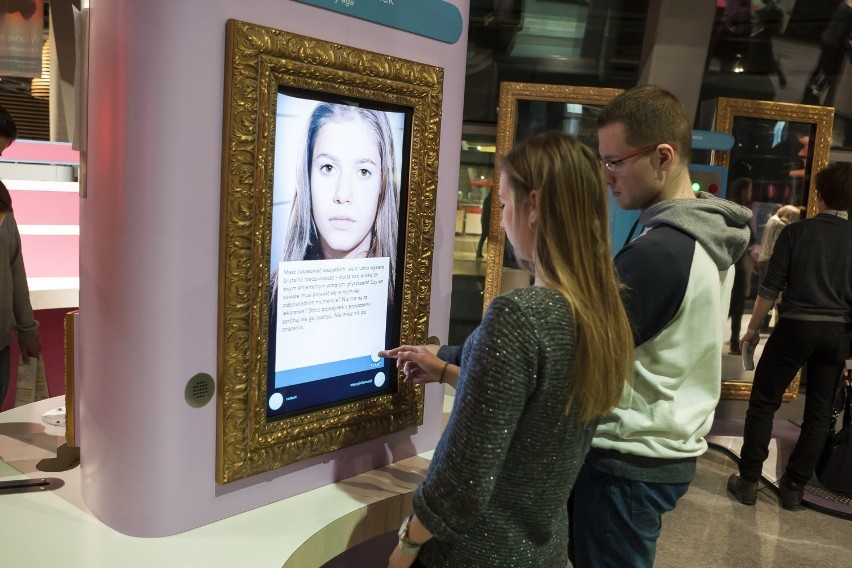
[{"x": 407, "y": 545}]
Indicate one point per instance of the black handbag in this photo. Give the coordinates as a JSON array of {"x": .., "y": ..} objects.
[{"x": 834, "y": 468}]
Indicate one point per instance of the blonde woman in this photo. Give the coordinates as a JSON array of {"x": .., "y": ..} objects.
[
  {"x": 785, "y": 215},
  {"x": 544, "y": 365}
]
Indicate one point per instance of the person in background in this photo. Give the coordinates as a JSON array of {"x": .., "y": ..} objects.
[
  {"x": 812, "y": 264},
  {"x": 769, "y": 19},
  {"x": 677, "y": 277},
  {"x": 16, "y": 312},
  {"x": 732, "y": 44},
  {"x": 785, "y": 215},
  {"x": 835, "y": 47},
  {"x": 547, "y": 361},
  {"x": 740, "y": 193},
  {"x": 486, "y": 223}
]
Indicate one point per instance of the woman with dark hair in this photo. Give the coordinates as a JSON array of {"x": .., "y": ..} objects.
[{"x": 16, "y": 312}]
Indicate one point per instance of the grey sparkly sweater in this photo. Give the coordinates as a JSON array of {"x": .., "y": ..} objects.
[{"x": 496, "y": 490}]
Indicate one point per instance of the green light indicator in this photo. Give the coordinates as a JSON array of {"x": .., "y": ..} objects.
[{"x": 696, "y": 187}]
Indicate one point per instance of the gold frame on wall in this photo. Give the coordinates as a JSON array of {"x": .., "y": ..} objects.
[
  {"x": 510, "y": 94},
  {"x": 818, "y": 117},
  {"x": 259, "y": 61}
]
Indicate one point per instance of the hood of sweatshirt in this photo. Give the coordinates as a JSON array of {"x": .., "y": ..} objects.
[{"x": 719, "y": 225}]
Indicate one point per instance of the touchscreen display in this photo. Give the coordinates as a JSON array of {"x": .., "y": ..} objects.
[{"x": 339, "y": 187}]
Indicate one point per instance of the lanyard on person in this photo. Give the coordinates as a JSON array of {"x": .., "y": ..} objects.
[{"x": 630, "y": 235}]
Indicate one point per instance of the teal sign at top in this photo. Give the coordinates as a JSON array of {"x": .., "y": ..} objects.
[{"x": 434, "y": 19}]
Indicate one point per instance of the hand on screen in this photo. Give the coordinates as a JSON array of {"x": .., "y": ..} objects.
[{"x": 418, "y": 363}]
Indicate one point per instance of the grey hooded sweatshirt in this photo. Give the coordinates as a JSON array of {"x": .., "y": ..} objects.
[{"x": 678, "y": 276}]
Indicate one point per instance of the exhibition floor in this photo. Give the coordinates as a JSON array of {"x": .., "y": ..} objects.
[
  {"x": 711, "y": 528},
  {"x": 708, "y": 526}
]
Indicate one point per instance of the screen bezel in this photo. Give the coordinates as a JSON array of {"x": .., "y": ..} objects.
[{"x": 392, "y": 316}]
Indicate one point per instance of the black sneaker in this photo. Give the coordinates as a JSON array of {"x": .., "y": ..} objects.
[
  {"x": 791, "y": 494},
  {"x": 744, "y": 491}
]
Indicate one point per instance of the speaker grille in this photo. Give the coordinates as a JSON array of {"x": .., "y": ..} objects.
[{"x": 199, "y": 390}]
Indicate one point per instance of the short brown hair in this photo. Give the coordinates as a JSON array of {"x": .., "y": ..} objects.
[
  {"x": 834, "y": 185},
  {"x": 650, "y": 115}
]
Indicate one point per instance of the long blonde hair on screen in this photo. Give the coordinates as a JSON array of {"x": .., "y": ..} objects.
[{"x": 572, "y": 254}]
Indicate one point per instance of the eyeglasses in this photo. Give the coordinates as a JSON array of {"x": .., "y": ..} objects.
[{"x": 612, "y": 165}]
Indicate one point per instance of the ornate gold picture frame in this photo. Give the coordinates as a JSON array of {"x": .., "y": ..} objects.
[
  {"x": 778, "y": 146},
  {"x": 261, "y": 64},
  {"x": 559, "y": 107}
]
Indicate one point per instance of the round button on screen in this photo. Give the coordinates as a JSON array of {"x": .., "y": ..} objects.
[{"x": 379, "y": 379}]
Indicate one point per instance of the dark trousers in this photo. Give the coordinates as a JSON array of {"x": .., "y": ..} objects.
[
  {"x": 737, "y": 306},
  {"x": 823, "y": 80},
  {"x": 823, "y": 346},
  {"x": 482, "y": 238},
  {"x": 5, "y": 371}
]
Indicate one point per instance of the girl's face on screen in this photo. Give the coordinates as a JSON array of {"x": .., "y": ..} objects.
[{"x": 346, "y": 182}]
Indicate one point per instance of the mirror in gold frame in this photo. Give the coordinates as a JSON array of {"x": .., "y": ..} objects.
[
  {"x": 264, "y": 67},
  {"x": 778, "y": 146},
  {"x": 525, "y": 109}
]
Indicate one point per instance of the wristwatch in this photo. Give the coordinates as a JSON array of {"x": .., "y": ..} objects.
[{"x": 409, "y": 547}]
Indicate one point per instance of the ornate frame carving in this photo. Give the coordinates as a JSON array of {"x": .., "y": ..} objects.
[
  {"x": 259, "y": 60},
  {"x": 510, "y": 94},
  {"x": 818, "y": 117}
]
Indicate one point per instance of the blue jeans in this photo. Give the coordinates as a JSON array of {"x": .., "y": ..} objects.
[{"x": 616, "y": 521}]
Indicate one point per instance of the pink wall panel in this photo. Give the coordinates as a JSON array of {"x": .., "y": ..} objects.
[
  {"x": 52, "y": 256},
  {"x": 46, "y": 207},
  {"x": 41, "y": 152}
]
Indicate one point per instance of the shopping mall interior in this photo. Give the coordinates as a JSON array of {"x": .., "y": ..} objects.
[{"x": 125, "y": 179}]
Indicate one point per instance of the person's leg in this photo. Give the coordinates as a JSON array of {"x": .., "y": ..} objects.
[
  {"x": 779, "y": 72},
  {"x": 737, "y": 306},
  {"x": 5, "y": 371},
  {"x": 617, "y": 521},
  {"x": 786, "y": 351},
  {"x": 762, "y": 267},
  {"x": 482, "y": 238},
  {"x": 827, "y": 67},
  {"x": 825, "y": 366}
]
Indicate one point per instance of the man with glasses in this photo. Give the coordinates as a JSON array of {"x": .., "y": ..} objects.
[{"x": 677, "y": 277}]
